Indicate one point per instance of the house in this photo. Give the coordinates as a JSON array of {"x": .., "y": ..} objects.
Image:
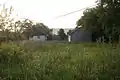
[
  {"x": 80, "y": 35},
  {"x": 38, "y": 37}
]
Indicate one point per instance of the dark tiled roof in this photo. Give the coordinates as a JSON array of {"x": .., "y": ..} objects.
[
  {"x": 76, "y": 29},
  {"x": 38, "y": 34}
]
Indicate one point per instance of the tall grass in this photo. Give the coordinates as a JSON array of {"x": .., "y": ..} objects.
[{"x": 59, "y": 62}]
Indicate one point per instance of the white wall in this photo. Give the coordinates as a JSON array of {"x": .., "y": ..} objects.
[
  {"x": 38, "y": 38},
  {"x": 69, "y": 38}
]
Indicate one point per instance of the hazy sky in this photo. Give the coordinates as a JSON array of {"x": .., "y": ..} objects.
[{"x": 46, "y": 11}]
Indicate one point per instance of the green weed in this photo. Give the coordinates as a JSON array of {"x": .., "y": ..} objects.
[{"x": 59, "y": 62}]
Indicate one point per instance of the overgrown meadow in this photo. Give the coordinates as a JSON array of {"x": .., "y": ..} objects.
[{"x": 59, "y": 61}]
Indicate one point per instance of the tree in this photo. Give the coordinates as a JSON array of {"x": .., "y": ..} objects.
[
  {"x": 112, "y": 26},
  {"x": 6, "y": 21},
  {"x": 62, "y": 34},
  {"x": 69, "y": 32},
  {"x": 49, "y": 36},
  {"x": 103, "y": 19},
  {"x": 18, "y": 29},
  {"x": 40, "y": 27},
  {"x": 27, "y": 28},
  {"x": 31, "y": 29}
]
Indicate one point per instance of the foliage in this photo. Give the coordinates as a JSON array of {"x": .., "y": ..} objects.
[
  {"x": 35, "y": 29},
  {"x": 59, "y": 61},
  {"x": 6, "y": 20},
  {"x": 50, "y": 35},
  {"x": 27, "y": 29},
  {"x": 40, "y": 28},
  {"x": 21, "y": 29},
  {"x": 62, "y": 34},
  {"x": 104, "y": 17},
  {"x": 69, "y": 32}
]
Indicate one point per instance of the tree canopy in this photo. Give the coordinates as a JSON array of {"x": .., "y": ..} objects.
[
  {"x": 31, "y": 29},
  {"x": 62, "y": 34},
  {"x": 103, "y": 18}
]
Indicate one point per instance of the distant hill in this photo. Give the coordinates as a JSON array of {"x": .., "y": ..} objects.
[{"x": 55, "y": 30}]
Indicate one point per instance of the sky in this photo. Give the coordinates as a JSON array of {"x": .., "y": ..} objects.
[{"x": 46, "y": 11}]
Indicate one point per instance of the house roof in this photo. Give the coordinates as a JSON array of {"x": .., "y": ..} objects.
[
  {"x": 38, "y": 34},
  {"x": 76, "y": 29}
]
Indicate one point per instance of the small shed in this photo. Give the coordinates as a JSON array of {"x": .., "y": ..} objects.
[{"x": 80, "y": 35}]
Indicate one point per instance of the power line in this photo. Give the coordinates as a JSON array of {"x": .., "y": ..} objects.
[{"x": 74, "y": 11}]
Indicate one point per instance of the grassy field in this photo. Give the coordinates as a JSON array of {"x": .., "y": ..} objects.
[{"x": 59, "y": 61}]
